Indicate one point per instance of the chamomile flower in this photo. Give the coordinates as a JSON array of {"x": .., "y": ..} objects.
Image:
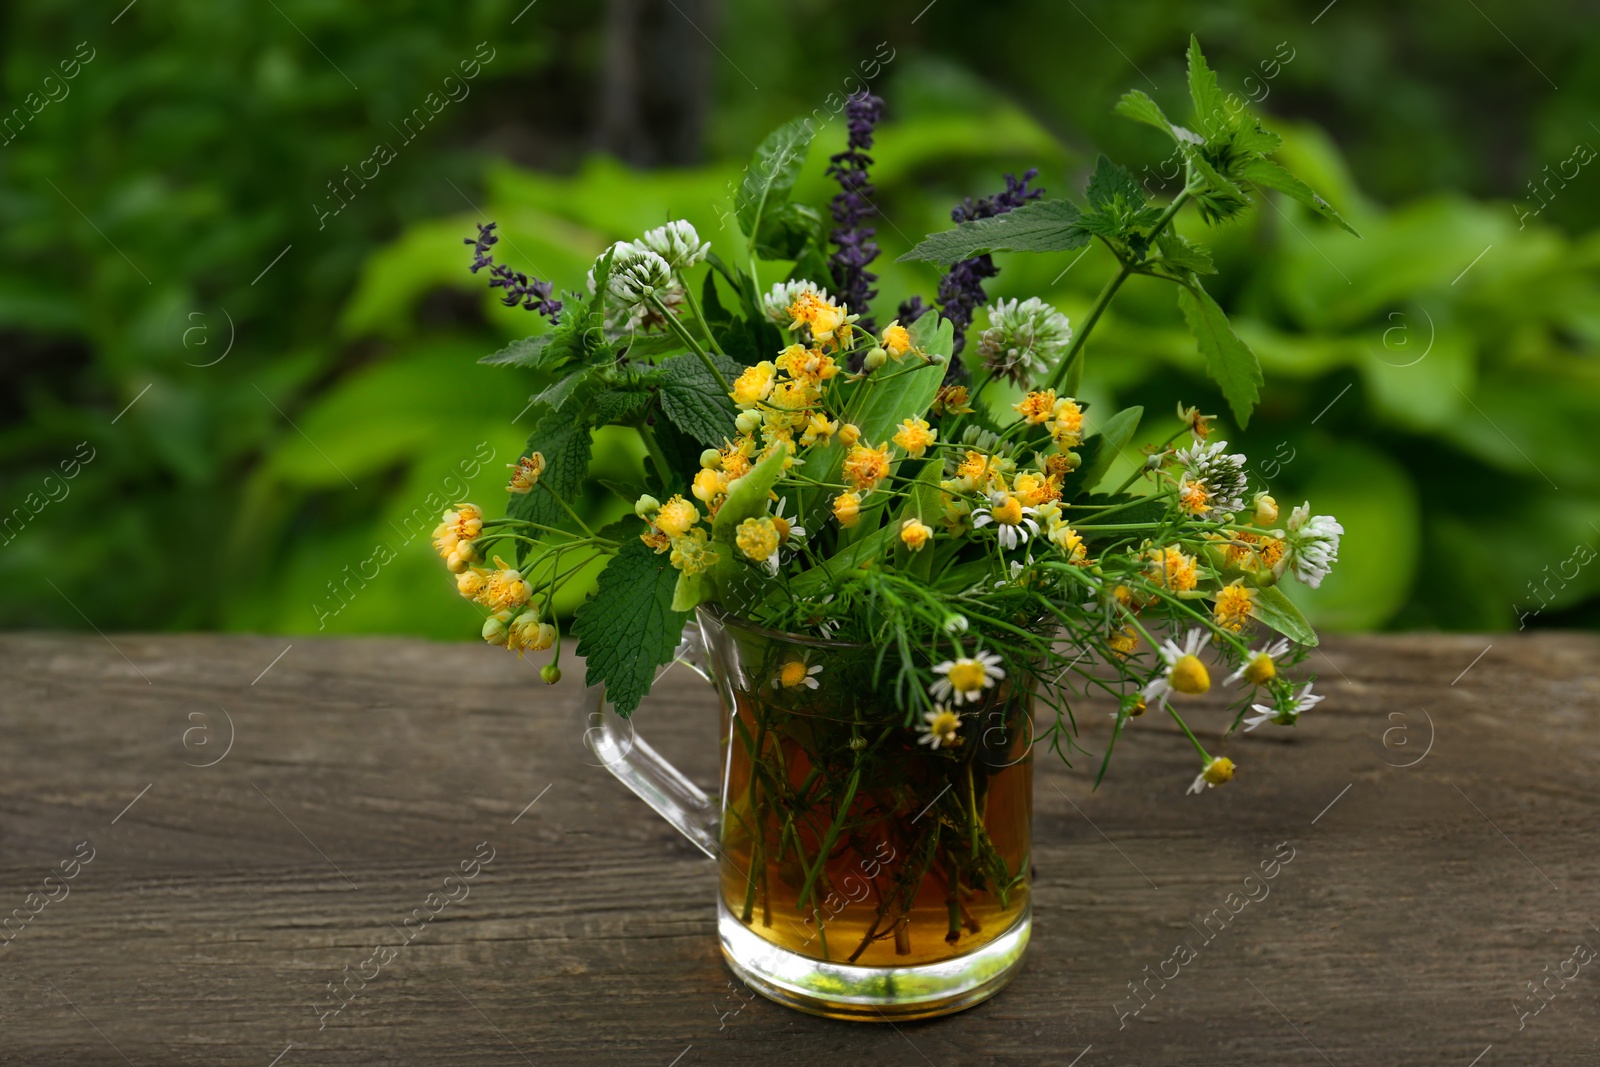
[
  {"x": 965, "y": 678},
  {"x": 1217, "y": 770},
  {"x": 1293, "y": 706},
  {"x": 1184, "y": 672},
  {"x": 1013, "y": 521},
  {"x": 1260, "y": 666},
  {"x": 795, "y": 673},
  {"x": 1313, "y": 543},
  {"x": 941, "y": 726}
]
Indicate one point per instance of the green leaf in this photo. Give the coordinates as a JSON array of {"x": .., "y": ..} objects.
[
  {"x": 1210, "y": 113},
  {"x": 619, "y": 405},
  {"x": 769, "y": 179},
  {"x": 554, "y": 396},
  {"x": 1040, "y": 226},
  {"x": 691, "y": 591},
  {"x": 528, "y": 352},
  {"x": 1229, "y": 360},
  {"x": 1220, "y": 184},
  {"x": 747, "y": 497},
  {"x": 1111, "y": 182},
  {"x": 629, "y": 628},
  {"x": 1265, "y": 172},
  {"x": 1182, "y": 255},
  {"x": 1272, "y": 607},
  {"x": 1113, "y": 438},
  {"x": 922, "y": 502},
  {"x": 787, "y": 231},
  {"x": 564, "y": 440},
  {"x": 1139, "y": 107},
  {"x": 695, "y": 402}
]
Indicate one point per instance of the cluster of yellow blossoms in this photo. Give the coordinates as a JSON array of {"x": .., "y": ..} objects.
[{"x": 502, "y": 590}]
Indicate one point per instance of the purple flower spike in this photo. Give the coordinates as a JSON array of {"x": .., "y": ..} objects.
[
  {"x": 851, "y": 207},
  {"x": 532, "y": 294},
  {"x": 961, "y": 290}
]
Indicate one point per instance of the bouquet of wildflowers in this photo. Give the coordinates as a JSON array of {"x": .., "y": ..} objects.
[{"x": 819, "y": 466}]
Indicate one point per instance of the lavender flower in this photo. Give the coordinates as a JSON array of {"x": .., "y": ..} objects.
[
  {"x": 852, "y": 206},
  {"x": 961, "y": 290},
  {"x": 532, "y": 294}
]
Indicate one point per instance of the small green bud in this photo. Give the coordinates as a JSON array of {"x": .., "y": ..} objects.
[
  {"x": 550, "y": 673},
  {"x": 646, "y": 506},
  {"x": 711, "y": 459},
  {"x": 876, "y": 358},
  {"x": 747, "y": 421}
]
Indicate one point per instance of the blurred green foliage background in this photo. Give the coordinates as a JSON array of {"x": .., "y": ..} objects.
[{"x": 262, "y": 403}]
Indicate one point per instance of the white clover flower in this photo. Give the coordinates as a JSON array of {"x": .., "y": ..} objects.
[
  {"x": 966, "y": 678},
  {"x": 1296, "y": 704},
  {"x": 776, "y": 303},
  {"x": 1212, "y": 483},
  {"x": 677, "y": 243},
  {"x": 636, "y": 273},
  {"x": 1023, "y": 339},
  {"x": 1313, "y": 544}
]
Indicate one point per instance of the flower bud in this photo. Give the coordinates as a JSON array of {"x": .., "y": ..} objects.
[
  {"x": 550, "y": 673},
  {"x": 1074, "y": 461},
  {"x": 876, "y": 358},
  {"x": 646, "y": 506},
  {"x": 711, "y": 459},
  {"x": 496, "y": 627},
  {"x": 1266, "y": 512},
  {"x": 747, "y": 421}
]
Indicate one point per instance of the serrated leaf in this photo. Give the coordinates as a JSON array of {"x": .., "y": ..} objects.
[
  {"x": 628, "y": 627},
  {"x": 1250, "y": 138},
  {"x": 1220, "y": 184},
  {"x": 1274, "y": 608},
  {"x": 1265, "y": 172},
  {"x": 695, "y": 402},
  {"x": 769, "y": 179},
  {"x": 1205, "y": 94},
  {"x": 1111, "y": 182},
  {"x": 528, "y": 352},
  {"x": 554, "y": 396},
  {"x": 1229, "y": 360},
  {"x": 1179, "y": 253},
  {"x": 788, "y": 230},
  {"x": 618, "y": 405},
  {"x": 1138, "y": 106},
  {"x": 1039, "y": 226},
  {"x": 564, "y": 440}
]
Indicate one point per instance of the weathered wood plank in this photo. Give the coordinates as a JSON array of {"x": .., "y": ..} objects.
[{"x": 218, "y": 906}]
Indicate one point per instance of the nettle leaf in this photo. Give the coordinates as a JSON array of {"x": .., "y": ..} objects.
[
  {"x": 628, "y": 628},
  {"x": 770, "y": 177},
  {"x": 1139, "y": 107},
  {"x": 1183, "y": 255},
  {"x": 1273, "y": 607},
  {"x": 619, "y": 405},
  {"x": 565, "y": 442},
  {"x": 528, "y": 352},
  {"x": 1265, "y": 172},
  {"x": 557, "y": 394},
  {"x": 1210, "y": 110},
  {"x": 1111, "y": 183},
  {"x": 787, "y": 231},
  {"x": 692, "y": 398},
  {"x": 1039, "y": 226},
  {"x": 1229, "y": 360}
]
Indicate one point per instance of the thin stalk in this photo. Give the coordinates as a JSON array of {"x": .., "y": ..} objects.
[
  {"x": 688, "y": 338},
  {"x": 699, "y": 316}
]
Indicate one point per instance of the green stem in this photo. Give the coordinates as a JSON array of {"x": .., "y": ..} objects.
[
  {"x": 688, "y": 338},
  {"x": 564, "y": 507},
  {"x": 699, "y": 316},
  {"x": 658, "y": 457}
]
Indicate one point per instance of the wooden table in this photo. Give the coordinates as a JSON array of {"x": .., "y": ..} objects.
[{"x": 1439, "y": 807}]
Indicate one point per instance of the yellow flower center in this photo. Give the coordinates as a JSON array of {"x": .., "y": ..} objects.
[
  {"x": 1219, "y": 770},
  {"x": 1190, "y": 676},
  {"x": 676, "y": 516},
  {"x": 1260, "y": 670},
  {"x": 791, "y": 674},
  {"x": 967, "y": 676},
  {"x": 1008, "y": 512},
  {"x": 757, "y": 538},
  {"x": 944, "y": 725}
]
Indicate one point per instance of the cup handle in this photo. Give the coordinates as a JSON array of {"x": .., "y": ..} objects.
[{"x": 639, "y": 767}]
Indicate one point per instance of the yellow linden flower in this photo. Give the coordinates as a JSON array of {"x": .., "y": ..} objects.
[
  {"x": 1124, "y": 642},
  {"x": 952, "y": 400},
  {"x": 1033, "y": 490},
  {"x": 1057, "y": 465},
  {"x": 849, "y": 434},
  {"x": 847, "y": 509},
  {"x": 1071, "y": 544},
  {"x": 914, "y": 533},
  {"x": 1233, "y": 607},
  {"x": 735, "y": 457},
  {"x": 1037, "y": 407},
  {"x": 915, "y": 436},
  {"x": 820, "y": 428},
  {"x": 865, "y": 467},
  {"x": 896, "y": 340},
  {"x": 757, "y": 538},
  {"x": 464, "y": 523},
  {"x": 709, "y": 484},
  {"x": 656, "y": 540},
  {"x": 824, "y": 317},
  {"x": 1194, "y": 498},
  {"x": 1174, "y": 569},
  {"x": 525, "y": 473},
  {"x": 754, "y": 385},
  {"x": 1066, "y": 425},
  {"x": 528, "y": 634},
  {"x": 470, "y": 582},
  {"x": 807, "y": 364},
  {"x": 676, "y": 516},
  {"x": 1266, "y": 510},
  {"x": 976, "y": 471},
  {"x": 504, "y": 589},
  {"x": 691, "y": 553},
  {"x": 497, "y": 628}
]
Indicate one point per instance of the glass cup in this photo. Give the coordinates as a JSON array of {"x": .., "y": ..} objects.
[{"x": 865, "y": 873}]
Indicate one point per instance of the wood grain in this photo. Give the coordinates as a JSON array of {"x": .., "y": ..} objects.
[{"x": 1419, "y": 901}]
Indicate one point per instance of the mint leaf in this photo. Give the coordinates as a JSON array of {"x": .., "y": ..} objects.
[
  {"x": 695, "y": 402},
  {"x": 1265, "y": 172},
  {"x": 1183, "y": 256},
  {"x": 628, "y": 628},
  {"x": 1228, "y": 359},
  {"x": 1040, "y": 226},
  {"x": 769, "y": 178}
]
